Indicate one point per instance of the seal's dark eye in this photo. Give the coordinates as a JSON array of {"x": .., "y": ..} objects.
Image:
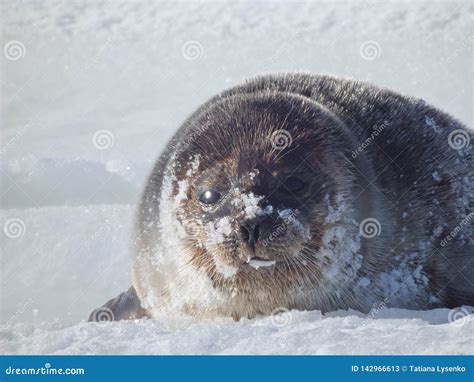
[
  {"x": 294, "y": 184},
  {"x": 210, "y": 197}
]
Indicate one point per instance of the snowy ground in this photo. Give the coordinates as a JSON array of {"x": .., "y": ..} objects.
[
  {"x": 391, "y": 331},
  {"x": 136, "y": 69}
]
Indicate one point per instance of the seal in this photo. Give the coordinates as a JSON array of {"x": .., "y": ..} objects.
[{"x": 306, "y": 192}]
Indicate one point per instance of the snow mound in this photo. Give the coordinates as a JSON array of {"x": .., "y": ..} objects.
[{"x": 392, "y": 331}]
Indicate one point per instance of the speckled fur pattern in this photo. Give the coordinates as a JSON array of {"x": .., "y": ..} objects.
[{"x": 407, "y": 177}]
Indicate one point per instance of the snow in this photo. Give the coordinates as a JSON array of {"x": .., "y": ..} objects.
[
  {"x": 341, "y": 243},
  {"x": 100, "y": 89},
  {"x": 220, "y": 229},
  {"x": 385, "y": 331},
  {"x": 66, "y": 261},
  {"x": 249, "y": 203},
  {"x": 227, "y": 271}
]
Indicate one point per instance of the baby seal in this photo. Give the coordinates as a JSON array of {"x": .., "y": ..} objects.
[{"x": 306, "y": 192}]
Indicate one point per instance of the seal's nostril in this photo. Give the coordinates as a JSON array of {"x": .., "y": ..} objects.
[
  {"x": 256, "y": 232},
  {"x": 245, "y": 233},
  {"x": 249, "y": 233}
]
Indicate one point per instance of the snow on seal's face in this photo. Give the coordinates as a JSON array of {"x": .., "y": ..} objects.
[
  {"x": 241, "y": 226},
  {"x": 258, "y": 212}
]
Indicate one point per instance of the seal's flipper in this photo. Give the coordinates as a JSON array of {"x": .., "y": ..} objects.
[{"x": 126, "y": 306}]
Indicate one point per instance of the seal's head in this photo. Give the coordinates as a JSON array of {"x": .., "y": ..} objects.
[{"x": 255, "y": 191}]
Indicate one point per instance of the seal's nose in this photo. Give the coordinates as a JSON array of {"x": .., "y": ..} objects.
[{"x": 250, "y": 232}]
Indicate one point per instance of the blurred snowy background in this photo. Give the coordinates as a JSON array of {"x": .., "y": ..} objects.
[{"x": 90, "y": 93}]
